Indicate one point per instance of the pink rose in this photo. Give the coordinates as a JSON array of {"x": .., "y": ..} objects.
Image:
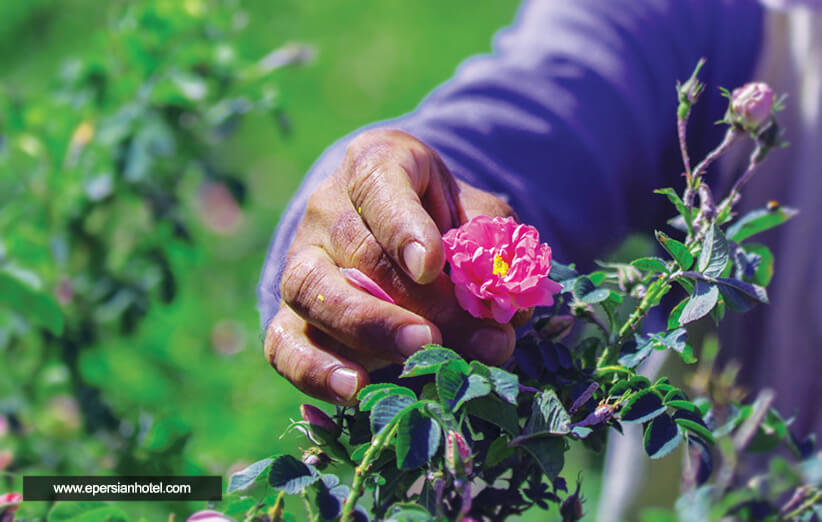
[
  {"x": 752, "y": 104},
  {"x": 498, "y": 267}
]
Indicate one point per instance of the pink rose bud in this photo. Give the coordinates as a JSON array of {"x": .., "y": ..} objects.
[
  {"x": 751, "y": 104},
  {"x": 558, "y": 327},
  {"x": 457, "y": 454},
  {"x": 8, "y": 505},
  {"x": 318, "y": 418},
  {"x": 208, "y": 515},
  {"x": 499, "y": 267}
]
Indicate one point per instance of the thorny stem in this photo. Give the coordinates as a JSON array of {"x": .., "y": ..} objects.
[
  {"x": 361, "y": 471},
  {"x": 731, "y": 137},
  {"x": 756, "y": 158},
  {"x": 815, "y": 500},
  {"x": 682, "y": 127}
]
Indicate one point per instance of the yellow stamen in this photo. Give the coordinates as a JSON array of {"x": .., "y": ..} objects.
[{"x": 500, "y": 266}]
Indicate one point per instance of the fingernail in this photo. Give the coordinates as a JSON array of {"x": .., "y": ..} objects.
[
  {"x": 414, "y": 257},
  {"x": 491, "y": 344},
  {"x": 412, "y": 337},
  {"x": 343, "y": 382}
]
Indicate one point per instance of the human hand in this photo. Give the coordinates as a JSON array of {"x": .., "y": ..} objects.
[{"x": 383, "y": 212}]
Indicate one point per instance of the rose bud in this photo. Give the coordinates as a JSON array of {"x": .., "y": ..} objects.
[
  {"x": 316, "y": 457},
  {"x": 318, "y": 419},
  {"x": 457, "y": 454},
  {"x": 751, "y": 105},
  {"x": 571, "y": 508},
  {"x": 9, "y": 502},
  {"x": 557, "y": 327},
  {"x": 499, "y": 267}
]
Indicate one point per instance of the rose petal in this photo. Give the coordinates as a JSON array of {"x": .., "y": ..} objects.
[{"x": 362, "y": 281}]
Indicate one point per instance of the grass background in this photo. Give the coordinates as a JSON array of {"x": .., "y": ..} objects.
[{"x": 375, "y": 60}]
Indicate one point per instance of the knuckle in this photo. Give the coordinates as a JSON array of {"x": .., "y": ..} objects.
[{"x": 300, "y": 281}]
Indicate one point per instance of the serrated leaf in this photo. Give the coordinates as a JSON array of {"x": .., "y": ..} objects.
[
  {"x": 643, "y": 351},
  {"x": 428, "y": 360},
  {"x": 450, "y": 378},
  {"x": 714, "y": 254},
  {"x": 372, "y": 393},
  {"x": 662, "y": 436},
  {"x": 418, "y": 438},
  {"x": 291, "y": 475},
  {"x": 678, "y": 251},
  {"x": 676, "y": 313},
  {"x": 498, "y": 451},
  {"x": 701, "y": 303},
  {"x": 386, "y": 409},
  {"x": 560, "y": 272},
  {"x": 699, "y": 463},
  {"x": 651, "y": 264},
  {"x": 244, "y": 478},
  {"x": 643, "y": 406},
  {"x": 37, "y": 306},
  {"x": 758, "y": 221},
  {"x": 548, "y": 416},
  {"x": 587, "y": 292}
]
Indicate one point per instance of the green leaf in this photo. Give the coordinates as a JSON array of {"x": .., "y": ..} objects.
[
  {"x": 676, "y": 313},
  {"x": 662, "y": 436},
  {"x": 695, "y": 427},
  {"x": 386, "y": 409},
  {"x": 449, "y": 379},
  {"x": 701, "y": 303},
  {"x": 758, "y": 221},
  {"x": 407, "y": 512},
  {"x": 764, "y": 270},
  {"x": 714, "y": 254},
  {"x": 651, "y": 264},
  {"x": 587, "y": 292},
  {"x": 491, "y": 409},
  {"x": 674, "y": 198},
  {"x": 753, "y": 292},
  {"x": 643, "y": 406},
  {"x": 560, "y": 272},
  {"x": 548, "y": 416},
  {"x": 428, "y": 360},
  {"x": 547, "y": 450},
  {"x": 291, "y": 475},
  {"x": 418, "y": 438},
  {"x": 86, "y": 512},
  {"x": 678, "y": 251},
  {"x": 243, "y": 479},
  {"x": 498, "y": 451},
  {"x": 37, "y": 306},
  {"x": 371, "y": 394},
  {"x": 505, "y": 384}
]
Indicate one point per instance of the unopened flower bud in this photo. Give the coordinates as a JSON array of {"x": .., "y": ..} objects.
[
  {"x": 9, "y": 502},
  {"x": 316, "y": 457},
  {"x": 457, "y": 454},
  {"x": 571, "y": 508},
  {"x": 627, "y": 277},
  {"x": 318, "y": 419},
  {"x": 557, "y": 327},
  {"x": 751, "y": 104}
]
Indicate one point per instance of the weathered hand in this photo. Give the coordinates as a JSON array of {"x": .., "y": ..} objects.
[{"x": 383, "y": 212}]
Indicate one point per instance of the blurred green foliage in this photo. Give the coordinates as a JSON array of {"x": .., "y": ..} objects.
[{"x": 136, "y": 209}]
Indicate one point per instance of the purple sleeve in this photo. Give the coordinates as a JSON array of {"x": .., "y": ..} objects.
[{"x": 572, "y": 118}]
